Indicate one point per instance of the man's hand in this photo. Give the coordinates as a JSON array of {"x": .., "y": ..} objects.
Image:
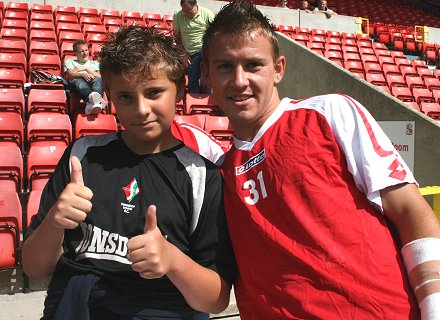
[
  {"x": 149, "y": 252},
  {"x": 74, "y": 203}
]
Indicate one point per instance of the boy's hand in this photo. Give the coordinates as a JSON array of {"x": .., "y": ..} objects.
[
  {"x": 74, "y": 202},
  {"x": 149, "y": 252}
]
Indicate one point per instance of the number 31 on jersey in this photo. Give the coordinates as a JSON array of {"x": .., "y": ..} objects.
[{"x": 256, "y": 189}]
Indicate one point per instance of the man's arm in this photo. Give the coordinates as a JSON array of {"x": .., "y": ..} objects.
[{"x": 414, "y": 219}]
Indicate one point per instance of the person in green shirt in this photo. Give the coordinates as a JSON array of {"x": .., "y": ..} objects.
[
  {"x": 189, "y": 25},
  {"x": 85, "y": 79}
]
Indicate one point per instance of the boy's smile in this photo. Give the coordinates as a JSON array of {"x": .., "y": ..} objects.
[{"x": 146, "y": 110}]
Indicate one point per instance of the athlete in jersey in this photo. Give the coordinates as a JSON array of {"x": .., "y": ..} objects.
[
  {"x": 186, "y": 190},
  {"x": 198, "y": 140},
  {"x": 324, "y": 247}
]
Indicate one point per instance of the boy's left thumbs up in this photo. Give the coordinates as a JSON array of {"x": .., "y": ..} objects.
[{"x": 150, "y": 219}]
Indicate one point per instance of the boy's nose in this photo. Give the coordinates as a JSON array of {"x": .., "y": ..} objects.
[{"x": 143, "y": 107}]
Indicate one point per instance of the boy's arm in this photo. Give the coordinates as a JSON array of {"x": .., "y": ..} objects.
[
  {"x": 414, "y": 219},
  {"x": 153, "y": 257},
  {"x": 42, "y": 250}
]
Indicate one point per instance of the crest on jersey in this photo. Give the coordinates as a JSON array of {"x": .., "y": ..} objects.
[
  {"x": 252, "y": 162},
  {"x": 131, "y": 190}
]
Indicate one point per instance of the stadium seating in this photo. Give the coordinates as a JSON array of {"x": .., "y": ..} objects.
[
  {"x": 47, "y": 101},
  {"x": 10, "y": 228},
  {"x": 95, "y": 124},
  {"x": 201, "y": 103},
  {"x": 49, "y": 128},
  {"x": 11, "y": 169},
  {"x": 32, "y": 205},
  {"x": 41, "y": 163},
  {"x": 220, "y": 128},
  {"x": 11, "y": 130},
  {"x": 195, "y": 119},
  {"x": 12, "y": 77},
  {"x": 12, "y": 100}
]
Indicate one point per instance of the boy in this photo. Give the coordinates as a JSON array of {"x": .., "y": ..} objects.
[
  {"x": 85, "y": 79},
  {"x": 136, "y": 229},
  {"x": 306, "y": 183}
]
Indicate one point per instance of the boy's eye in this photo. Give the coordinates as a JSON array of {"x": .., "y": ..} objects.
[
  {"x": 124, "y": 98},
  {"x": 154, "y": 93}
]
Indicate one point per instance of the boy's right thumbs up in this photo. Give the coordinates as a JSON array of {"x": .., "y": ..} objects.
[{"x": 76, "y": 171}]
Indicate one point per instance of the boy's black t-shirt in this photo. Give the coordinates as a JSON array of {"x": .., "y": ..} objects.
[{"x": 187, "y": 191}]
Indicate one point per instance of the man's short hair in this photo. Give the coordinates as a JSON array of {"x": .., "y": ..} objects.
[
  {"x": 240, "y": 18},
  {"x": 193, "y": 2},
  {"x": 137, "y": 53},
  {"x": 78, "y": 43}
]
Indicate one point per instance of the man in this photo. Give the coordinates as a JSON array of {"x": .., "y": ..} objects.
[
  {"x": 322, "y": 7},
  {"x": 311, "y": 187},
  {"x": 85, "y": 79},
  {"x": 283, "y": 4},
  {"x": 189, "y": 25},
  {"x": 304, "y": 5}
]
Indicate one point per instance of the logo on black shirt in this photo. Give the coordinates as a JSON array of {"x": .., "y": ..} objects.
[{"x": 131, "y": 190}]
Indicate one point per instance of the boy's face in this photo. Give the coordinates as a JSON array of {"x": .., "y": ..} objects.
[
  {"x": 304, "y": 5},
  {"x": 242, "y": 73},
  {"x": 146, "y": 110}
]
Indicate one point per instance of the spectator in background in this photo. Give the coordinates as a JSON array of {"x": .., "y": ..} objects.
[
  {"x": 85, "y": 79},
  {"x": 189, "y": 25},
  {"x": 322, "y": 7},
  {"x": 283, "y": 4},
  {"x": 304, "y": 5}
]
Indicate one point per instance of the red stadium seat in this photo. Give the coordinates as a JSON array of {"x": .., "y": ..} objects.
[
  {"x": 414, "y": 82},
  {"x": 305, "y": 31},
  {"x": 45, "y": 47},
  {"x": 132, "y": 15},
  {"x": 301, "y": 38},
  {"x": 109, "y": 13},
  {"x": 422, "y": 95},
  {"x": 11, "y": 169},
  {"x": 65, "y": 18},
  {"x": 89, "y": 20},
  {"x": 96, "y": 38},
  {"x": 385, "y": 60},
  {"x": 402, "y": 93},
  {"x": 13, "y": 46},
  {"x": 394, "y": 80},
  {"x": 42, "y": 35},
  {"x": 431, "y": 109},
  {"x": 152, "y": 19},
  {"x": 413, "y": 105},
  {"x": 17, "y": 6},
  {"x": 13, "y": 60},
  {"x": 42, "y": 161},
  {"x": 201, "y": 103},
  {"x": 376, "y": 79},
  {"x": 14, "y": 34},
  {"x": 372, "y": 67},
  {"x": 46, "y": 62},
  {"x": 12, "y": 100},
  {"x": 168, "y": 19},
  {"x": 86, "y": 125},
  {"x": 65, "y": 10},
  {"x": 32, "y": 205},
  {"x": 425, "y": 73},
  {"x": 432, "y": 83},
  {"x": 368, "y": 58},
  {"x": 195, "y": 119},
  {"x": 66, "y": 48},
  {"x": 69, "y": 27},
  {"x": 41, "y": 8},
  {"x": 402, "y": 61},
  {"x": 15, "y": 24},
  {"x": 49, "y": 128},
  {"x": 69, "y": 36},
  {"x": 408, "y": 71},
  {"x": 12, "y": 77},
  {"x": 390, "y": 69},
  {"x": 354, "y": 66},
  {"x": 47, "y": 101},
  {"x": 112, "y": 21},
  {"x": 220, "y": 128},
  {"x": 37, "y": 16},
  {"x": 11, "y": 130},
  {"x": 42, "y": 25},
  {"x": 16, "y": 15},
  {"x": 10, "y": 229},
  {"x": 93, "y": 28},
  {"x": 87, "y": 12}
]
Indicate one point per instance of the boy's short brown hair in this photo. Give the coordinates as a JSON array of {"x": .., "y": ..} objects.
[
  {"x": 136, "y": 53},
  {"x": 240, "y": 18}
]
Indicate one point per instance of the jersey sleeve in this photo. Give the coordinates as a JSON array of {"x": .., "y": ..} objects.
[
  {"x": 371, "y": 158},
  {"x": 210, "y": 242},
  {"x": 198, "y": 140}
]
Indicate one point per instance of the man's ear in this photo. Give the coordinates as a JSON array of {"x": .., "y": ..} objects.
[
  {"x": 205, "y": 73},
  {"x": 280, "y": 68}
]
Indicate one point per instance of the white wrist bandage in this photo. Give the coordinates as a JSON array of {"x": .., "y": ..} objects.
[
  {"x": 419, "y": 251},
  {"x": 415, "y": 253},
  {"x": 430, "y": 307}
]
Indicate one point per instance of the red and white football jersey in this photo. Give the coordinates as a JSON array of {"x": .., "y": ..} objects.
[
  {"x": 198, "y": 140},
  {"x": 304, "y": 212}
]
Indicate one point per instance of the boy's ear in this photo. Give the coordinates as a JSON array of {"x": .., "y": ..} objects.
[{"x": 205, "y": 73}]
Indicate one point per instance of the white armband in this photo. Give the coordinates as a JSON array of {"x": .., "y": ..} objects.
[
  {"x": 430, "y": 307},
  {"x": 419, "y": 251}
]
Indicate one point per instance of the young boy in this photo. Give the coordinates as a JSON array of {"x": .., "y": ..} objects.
[
  {"x": 131, "y": 225},
  {"x": 309, "y": 187}
]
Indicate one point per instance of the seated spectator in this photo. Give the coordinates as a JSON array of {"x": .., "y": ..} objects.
[
  {"x": 322, "y": 7},
  {"x": 85, "y": 79},
  {"x": 283, "y": 4},
  {"x": 304, "y": 5}
]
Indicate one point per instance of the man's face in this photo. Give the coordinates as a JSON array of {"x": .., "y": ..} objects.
[
  {"x": 304, "y": 5},
  {"x": 323, "y": 5},
  {"x": 82, "y": 52},
  {"x": 243, "y": 75},
  {"x": 188, "y": 8},
  {"x": 283, "y": 3}
]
